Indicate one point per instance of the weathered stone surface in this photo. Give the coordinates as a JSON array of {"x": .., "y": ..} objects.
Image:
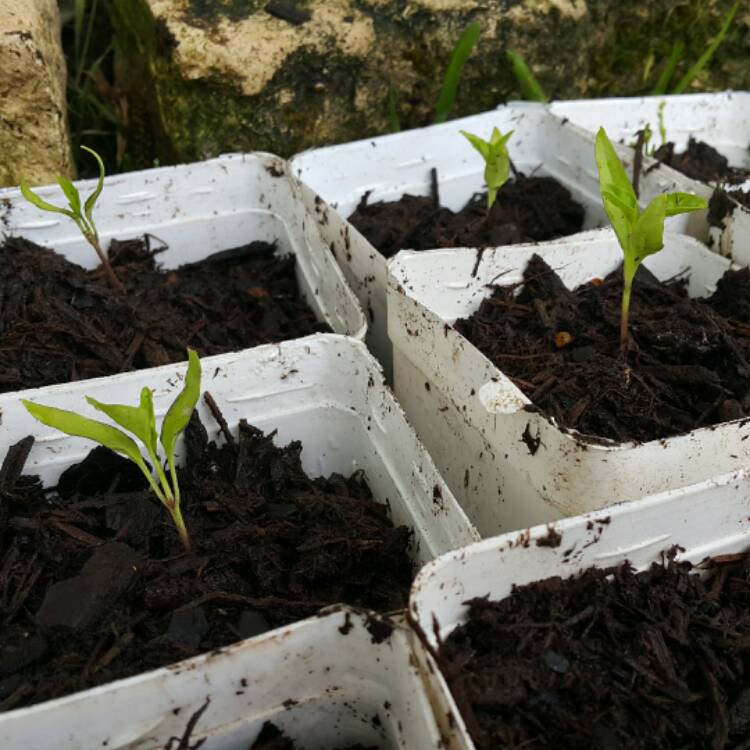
[
  {"x": 33, "y": 120},
  {"x": 226, "y": 75}
]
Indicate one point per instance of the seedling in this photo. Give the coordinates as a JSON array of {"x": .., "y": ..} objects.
[
  {"x": 81, "y": 214},
  {"x": 496, "y": 160},
  {"x": 141, "y": 422},
  {"x": 640, "y": 233}
]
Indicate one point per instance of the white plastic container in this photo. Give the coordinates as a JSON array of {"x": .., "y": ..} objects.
[
  {"x": 392, "y": 165},
  {"x": 200, "y": 209},
  {"x": 326, "y": 682},
  {"x": 721, "y": 120},
  {"x": 325, "y": 390},
  {"x": 707, "y": 519},
  {"x": 473, "y": 420}
]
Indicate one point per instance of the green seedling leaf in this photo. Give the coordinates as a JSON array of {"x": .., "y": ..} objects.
[
  {"x": 140, "y": 420},
  {"x": 91, "y": 200},
  {"x": 72, "y": 194},
  {"x": 640, "y": 233},
  {"x": 74, "y": 424},
  {"x": 496, "y": 160},
  {"x": 530, "y": 87},
  {"x": 695, "y": 69},
  {"x": 178, "y": 416},
  {"x": 40, "y": 203},
  {"x": 466, "y": 43}
]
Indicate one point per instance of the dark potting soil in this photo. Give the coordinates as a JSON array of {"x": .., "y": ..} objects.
[
  {"x": 688, "y": 365},
  {"x": 701, "y": 162},
  {"x": 527, "y": 209},
  {"x": 609, "y": 660},
  {"x": 59, "y": 322},
  {"x": 95, "y": 585},
  {"x": 272, "y": 738},
  {"x": 724, "y": 202}
]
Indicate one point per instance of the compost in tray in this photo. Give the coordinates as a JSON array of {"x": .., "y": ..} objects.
[
  {"x": 60, "y": 322},
  {"x": 527, "y": 209},
  {"x": 272, "y": 738},
  {"x": 95, "y": 584},
  {"x": 687, "y": 366},
  {"x": 609, "y": 659}
]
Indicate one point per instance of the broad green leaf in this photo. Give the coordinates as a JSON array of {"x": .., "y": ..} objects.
[
  {"x": 139, "y": 420},
  {"x": 91, "y": 200},
  {"x": 460, "y": 55},
  {"x": 618, "y": 195},
  {"x": 497, "y": 168},
  {"x": 74, "y": 424},
  {"x": 528, "y": 83},
  {"x": 71, "y": 193},
  {"x": 479, "y": 143},
  {"x": 647, "y": 237},
  {"x": 35, "y": 200},
  {"x": 683, "y": 203},
  {"x": 178, "y": 416}
]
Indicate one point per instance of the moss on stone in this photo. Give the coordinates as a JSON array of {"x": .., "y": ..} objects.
[{"x": 322, "y": 94}]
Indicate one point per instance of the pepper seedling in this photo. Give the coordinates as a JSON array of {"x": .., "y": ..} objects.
[
  {"x": 81, "y": 214},
  {"x": 496, "y": 160},
  {"x": 640, "y": 233},
  {"x": 141, "y": 422}
]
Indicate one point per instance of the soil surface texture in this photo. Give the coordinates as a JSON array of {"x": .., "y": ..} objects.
[
  {"x": 527, "y": 209},
  {"x": 60, "y": 322},
  {"x": 654, "y": 660},
  {"x": 688, "y": 365},
  {"x": 95, "y": 585},
  {"x": 724, "y": 203},
  {"x": 272, "y": 738},
  {"x": 701, "y": 162}
]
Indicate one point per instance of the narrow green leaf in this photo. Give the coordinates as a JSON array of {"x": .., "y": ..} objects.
[
  {"x": 79, "y": 13},
  {"x": 683, "y": 203},
  {"x": 529, "y": 85},
  {"x": 675, "y": 55},
  {"x": 178, "y": 416},
  {"x": 139, "y": 420},
  {"x": 479, "y": 143},
  {"x": 394, "y": 122},
  {"x": 695, "y": 69},
  {"x": 91, "y": 200},
  {"x": 39, "y": 202},
  {"x": 72, "y": 194},
  {"x": 466, "y": 43},
  {"x": 74, "y": 424}
]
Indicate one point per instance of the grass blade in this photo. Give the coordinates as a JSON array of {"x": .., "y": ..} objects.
[
  {"x": 526, "y": 80},
  {"x": 461, "y": 52},
  {"x": 678, "y": 49},
  {"x": 706, "y": 57},
  {"x": 394, "y": 122}
]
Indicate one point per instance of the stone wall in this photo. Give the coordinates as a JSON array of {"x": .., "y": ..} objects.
[{"x": 33, "y": 116}]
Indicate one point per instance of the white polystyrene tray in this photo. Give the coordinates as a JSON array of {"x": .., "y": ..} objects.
[
  {"x": 707, "y": 519},
  {"x": 199, "y": 209},
  {"x": 392, "y": 165},
  {"x": 323, "y": 687},
  {"x": 472, "y": 418},
  {"x": 722, "y": 120},
  {"x": 324, "y": 390}
]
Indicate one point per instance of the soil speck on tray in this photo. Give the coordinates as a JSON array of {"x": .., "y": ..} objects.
[
  {"x": 609, "y": 659},
  {"x": 528, "y": 209},
  {"x": 551, "y": 539},
  {"x": 95, "y": 585},
  {"x": 272, "y": 738},
  {"x": 688, "y": 365},
  {"x": 60, "y": 322}
]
